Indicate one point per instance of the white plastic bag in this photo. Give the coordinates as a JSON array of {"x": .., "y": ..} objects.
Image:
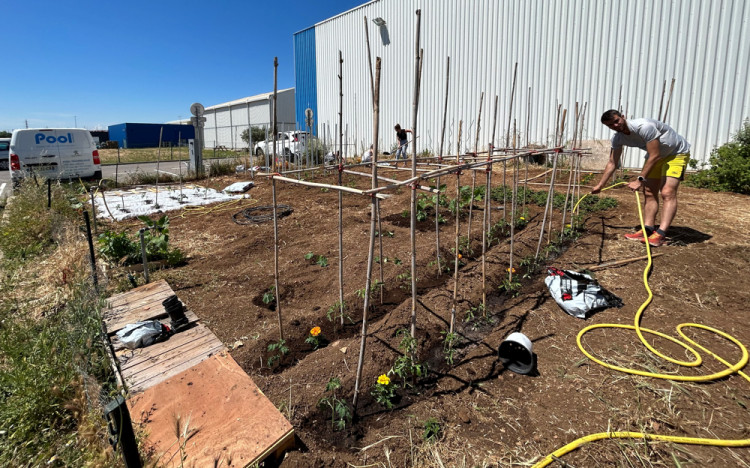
[
  {"x": 141, "y": 334},
  {"x": 578, "y": 293}
]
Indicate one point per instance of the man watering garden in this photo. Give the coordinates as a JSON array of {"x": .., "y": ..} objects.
[{"x": 667, "y": 156}]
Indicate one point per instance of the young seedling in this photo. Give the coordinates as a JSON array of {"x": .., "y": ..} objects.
[{"x": 340, "y": 412}]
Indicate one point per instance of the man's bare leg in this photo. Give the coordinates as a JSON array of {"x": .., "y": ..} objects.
[{"x": 669, "y": 201}]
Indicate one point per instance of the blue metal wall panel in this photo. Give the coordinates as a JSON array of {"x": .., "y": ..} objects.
[
  {"x": 117, "y": 133},
  {"x": 146, "y": 135},
  {"x": 305, "y": 76}
]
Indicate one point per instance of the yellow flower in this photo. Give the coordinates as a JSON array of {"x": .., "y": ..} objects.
[
  {"x": 510, "y": 270},
  {"x": 522, "y": 218},
  {"x": 567, "y": 225},
  {"x": 460, "y": 256},
  {"x": 315, "y": 331},
  {"x": 384, "y": 380}
]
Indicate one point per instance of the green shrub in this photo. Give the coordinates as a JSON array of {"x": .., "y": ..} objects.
[
  {"x": 48, "y": 384},
  {"x": 29, "y": 226},
  {"x": 730, "y": 166},
  {"x": 120, "y": 248}
]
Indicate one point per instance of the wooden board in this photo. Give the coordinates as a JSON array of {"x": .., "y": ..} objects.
[
  {"x": 225, "y": 419},
  {"x": 144, "y": 367},
  {"x": 141, "y": 303}
]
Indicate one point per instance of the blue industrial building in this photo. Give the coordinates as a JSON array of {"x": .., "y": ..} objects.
[
  {"x": 305, "y": 76},
  {"x": 146, "y": 135}
]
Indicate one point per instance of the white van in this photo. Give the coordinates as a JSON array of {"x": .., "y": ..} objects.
[{"x": 54, "y": 153}]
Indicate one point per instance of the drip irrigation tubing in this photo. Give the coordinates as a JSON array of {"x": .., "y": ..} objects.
[
  {"x": 260, "y": 214},
  {"x": 697, "y": 360}
]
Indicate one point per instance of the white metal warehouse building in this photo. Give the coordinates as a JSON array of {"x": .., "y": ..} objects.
[
  {"x": 603, "y": 53},
  {"x": 225, "y": 122}
]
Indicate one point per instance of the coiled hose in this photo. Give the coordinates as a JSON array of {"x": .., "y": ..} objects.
[{"x": 697, "y": 360}]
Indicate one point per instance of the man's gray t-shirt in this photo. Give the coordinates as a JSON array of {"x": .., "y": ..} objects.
[{"x": 644, "y": 130}]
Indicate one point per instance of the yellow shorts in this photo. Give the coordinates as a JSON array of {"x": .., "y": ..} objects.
[{"x": 671, "y": 166}]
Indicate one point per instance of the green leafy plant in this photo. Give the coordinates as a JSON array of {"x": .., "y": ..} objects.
[
  {"x": 384, "y": 391},
  {"x": 118, "y": 248},
  {"x": 319, "y": 260},
  {"x": 729, "y": 169},
  {"x": 269, "y": 297},
  {"x": 315, "y": 337},
  {"x": 338, "y": 311},
  {"x": 406, "y": 366},
  {"x": 511, "y": 286},
  {"x": 376, "y": 284},
  {"x": 431, "y": 430},
  {"x": 279, "y": 350},
  {"x": 340, "y": 412},
  {"x": 450, "y": 340}
]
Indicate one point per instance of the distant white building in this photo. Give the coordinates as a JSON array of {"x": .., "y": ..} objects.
[{"x": 225, "y": 122}]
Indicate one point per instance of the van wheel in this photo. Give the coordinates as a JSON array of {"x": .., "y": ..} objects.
[{"x": 259, "y": 152}]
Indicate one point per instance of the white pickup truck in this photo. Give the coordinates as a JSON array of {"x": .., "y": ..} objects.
[{"x": 290, "y": 144}]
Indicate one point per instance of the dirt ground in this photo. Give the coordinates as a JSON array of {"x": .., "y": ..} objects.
[{"x": 488, "y": 416}]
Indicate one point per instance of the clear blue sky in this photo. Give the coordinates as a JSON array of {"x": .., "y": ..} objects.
[{"x": 105, "y": 62}]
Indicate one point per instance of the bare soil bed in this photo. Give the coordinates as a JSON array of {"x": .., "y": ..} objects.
[{"x": 489, "y": 416}]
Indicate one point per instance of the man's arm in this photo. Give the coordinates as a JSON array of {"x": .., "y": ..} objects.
[{"x": 609, "y": 169}]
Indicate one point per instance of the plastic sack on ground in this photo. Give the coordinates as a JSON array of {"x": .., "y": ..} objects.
[
  {"x": 141, "y": 334},
  {"x": 578, "y": 293}
]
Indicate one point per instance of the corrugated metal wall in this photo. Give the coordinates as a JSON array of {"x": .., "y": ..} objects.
[{"x": 602, "y": 53}]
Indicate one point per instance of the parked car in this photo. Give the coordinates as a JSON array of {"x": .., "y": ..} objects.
[
  {"x": 289, "y": 144},
  {"x": 4, "y": 153},
  {"x": 55, "y": 153}
]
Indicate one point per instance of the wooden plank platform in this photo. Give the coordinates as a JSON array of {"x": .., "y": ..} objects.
[
  {"x": 225, "y": 419},
  {"x": 144, "y": 367}
]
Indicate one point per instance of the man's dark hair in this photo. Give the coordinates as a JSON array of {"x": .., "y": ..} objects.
[
  {"x": 610, "y": 115},
  {"x": 397, "y": 127}
]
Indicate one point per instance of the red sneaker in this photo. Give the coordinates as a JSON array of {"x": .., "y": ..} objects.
[
  {"x": 635, "y": 236},
  {"x": 656, "y": 240}
]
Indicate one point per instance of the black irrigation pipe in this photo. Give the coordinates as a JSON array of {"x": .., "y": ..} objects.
[{"x": 260, "y": 214}]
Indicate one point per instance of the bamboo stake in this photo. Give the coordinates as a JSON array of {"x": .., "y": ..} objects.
[
  {"x": 275, "y": 217},
  {"x": 510, "y": 111},
  {"x": 369, "y": 62},
  {"x": 341, "y": 194},
  {"x": 474, "y": 173},
  {"x": 547, "y": 205},
  {"x": 486, "y": 224},
  {"x": 158, "y": 161},
  {"x": 554, "y": 175},
  {"x": 413, "y": 229},
  {"x": 375, "y": 162},
  {"x": 440, "y": 160},
  {"x": 571, "y": 163},
  {"x": 661, "y": 102},
  {"x": 456, "y": 253},
  {"x": 275, "y": 129},
  {"x": 513, "y": 215},
  {"x": 330, "y": 187},
  {"x": 371, "y": 245},
  {"x": 669, "y": 100}
]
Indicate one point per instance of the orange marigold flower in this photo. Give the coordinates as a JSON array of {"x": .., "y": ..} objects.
[
  {"x": 510, "y": 270},
  {"x": 460, "y": 256},
  {"x": 384, "y": 380},
  {"x": 315, "y": 331}
]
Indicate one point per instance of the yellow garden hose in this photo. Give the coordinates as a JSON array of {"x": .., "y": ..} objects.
[{"x": 697, "y": 360}]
